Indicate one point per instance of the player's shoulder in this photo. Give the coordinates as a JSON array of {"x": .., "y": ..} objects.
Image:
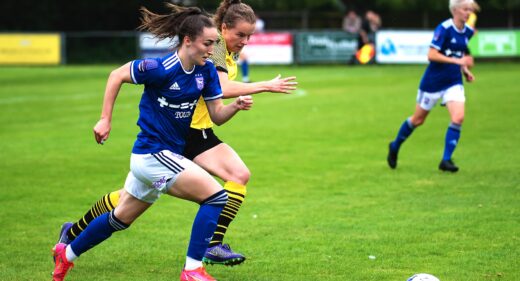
[
  {"x": 169, "y": 61},
  {"x": 446, "y": 24},
  {"x": 147, "y": 70},
  {"x": 219, "y": 53},
  {"x": 155, "y": 64}
]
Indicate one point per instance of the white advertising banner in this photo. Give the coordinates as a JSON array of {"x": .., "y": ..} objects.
[
  {"x": 152, "y": 47},
  {"x": 403, "y": 46},
  {"x": 263, "y": 48},
  {"x": 270, "y": 48}
]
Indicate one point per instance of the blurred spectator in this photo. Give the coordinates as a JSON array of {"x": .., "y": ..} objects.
[
  {"x": 351, "y": 22},
  {"x": 366, "y": 39},
  {"x": 371, "y": 23}
]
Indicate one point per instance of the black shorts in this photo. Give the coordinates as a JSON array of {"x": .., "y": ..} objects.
[{"x": 198, "y": 141}]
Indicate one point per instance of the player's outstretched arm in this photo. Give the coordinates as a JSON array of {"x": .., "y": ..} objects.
[
  {"x": 115, "y": 80},
  {"x": 233, "y": 89},
  {"x": 221, "y": 113}
]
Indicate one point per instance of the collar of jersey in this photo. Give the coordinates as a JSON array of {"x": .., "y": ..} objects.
[
  {"x": 231, "y": 54},
  {"x": 182, "y": 66},
  {"x": 456, "y": 29}
]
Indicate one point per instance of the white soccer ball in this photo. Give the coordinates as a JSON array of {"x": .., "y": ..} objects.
[{"x": 423, "y": 277}]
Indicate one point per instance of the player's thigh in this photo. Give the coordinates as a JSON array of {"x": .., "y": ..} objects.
[
  {"x": 419, "y": 115},
  {"x": 194, "y": 184},
  {"x": 427, "y": 100},
  {"x": 454, "y": 94},
  {"x": 223, "y": 162},
  {"x": 455, "y": 99},
  {"x": 154, "y": 174}
]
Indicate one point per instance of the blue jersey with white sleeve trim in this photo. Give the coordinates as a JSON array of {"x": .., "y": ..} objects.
[
  {"x": 451, "y": 42},
  {"x": 169, "y": 99}
]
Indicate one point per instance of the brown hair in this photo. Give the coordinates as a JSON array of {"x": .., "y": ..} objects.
[
  {"x": 181, "y": 21},
  {"x": 232, "y": 11}
]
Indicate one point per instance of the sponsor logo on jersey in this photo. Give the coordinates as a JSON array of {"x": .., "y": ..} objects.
[
  {"x": 185, "y": 105},
  {"x": 175, "y": 87}
]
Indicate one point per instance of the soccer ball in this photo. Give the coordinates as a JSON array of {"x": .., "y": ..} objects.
[{"x": 423, "y": 277}]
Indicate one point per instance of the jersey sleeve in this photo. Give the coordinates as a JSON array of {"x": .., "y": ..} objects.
[
  {"x": 146, "y": 71},
  {"x": 219, "y": 55},
  {"x": 439, "y": 36},
  {"x": 212, "y": 89}
]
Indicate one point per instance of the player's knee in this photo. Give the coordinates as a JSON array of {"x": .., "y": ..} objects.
[
  {"x": 457, "y": 119},
  {"x": 417, "y": 121},
  {"x": 241, "y": 176}
]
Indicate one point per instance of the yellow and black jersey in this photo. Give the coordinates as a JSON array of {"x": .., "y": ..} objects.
[{"x": 226, "y": 62}]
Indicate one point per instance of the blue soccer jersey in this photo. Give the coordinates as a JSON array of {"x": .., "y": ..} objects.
[
  {"x": 169, "y": 99},
  {"x": 451, "y": 42}
]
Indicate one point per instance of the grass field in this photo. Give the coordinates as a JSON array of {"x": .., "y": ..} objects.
[{"x": 321, "y": 199}]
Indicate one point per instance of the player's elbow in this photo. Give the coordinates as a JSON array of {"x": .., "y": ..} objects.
[
  {"x": 218, "y": 122},
  {"x": 115, "y": 76},
  {"x": 433, "y": 54},
  {"x": 216, "y": 119}
]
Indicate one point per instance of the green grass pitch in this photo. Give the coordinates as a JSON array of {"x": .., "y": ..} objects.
[{"x": 321, "y": 199}]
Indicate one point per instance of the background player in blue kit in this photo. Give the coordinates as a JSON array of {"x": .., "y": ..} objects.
[
  {"x": 449, "y": 58},
  {"x": 173, "y": 85}
]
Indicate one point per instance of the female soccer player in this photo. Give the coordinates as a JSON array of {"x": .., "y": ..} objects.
[
  {"x": 173, "y": 85},
  {"x": 236, "y": 23},
  {"x": 449, "y": 58}
]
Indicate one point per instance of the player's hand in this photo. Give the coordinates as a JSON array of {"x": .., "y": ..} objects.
[
  {"x": 102, "y": 130},
  {"x": 282, "y": 85},
  {"x": 466, "y": 61},
  {"x": 469, "y": 76},
  {"x": 244, "y": 102}
]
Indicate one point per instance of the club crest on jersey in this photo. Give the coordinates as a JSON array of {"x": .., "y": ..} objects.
[{"x": 200, "y": 82}]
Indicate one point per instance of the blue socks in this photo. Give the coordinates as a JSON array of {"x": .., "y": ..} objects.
[
  {"x": 404, "y": 132},
  {"x": 452, "y": 138},
  {"x": 96, "y": 232},
  {"x": 205, "y": 224},
  {"x": 245, "y": 70}
]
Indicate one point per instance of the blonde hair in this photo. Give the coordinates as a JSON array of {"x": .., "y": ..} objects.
[{"x": 456, "y": 3}]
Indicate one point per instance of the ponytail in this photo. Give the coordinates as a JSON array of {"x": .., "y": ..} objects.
[
  {"x": 231, "y": 11},
  {"x": 181, "y": 22}
]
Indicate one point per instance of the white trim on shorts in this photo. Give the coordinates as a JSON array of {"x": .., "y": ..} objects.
[
  {"x": 427, "y": 100},
  {"x": 151, "y": 175}
]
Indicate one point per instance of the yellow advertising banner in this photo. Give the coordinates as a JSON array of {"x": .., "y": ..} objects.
[{"x": 30, "y": 48}]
